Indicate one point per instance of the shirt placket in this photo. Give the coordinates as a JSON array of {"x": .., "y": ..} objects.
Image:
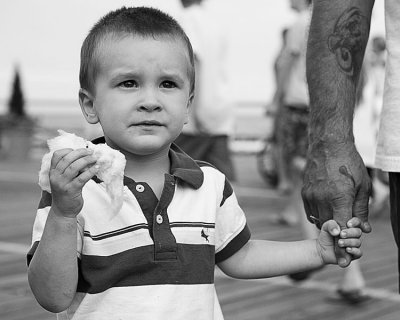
[{"x": 165, "y": 247}]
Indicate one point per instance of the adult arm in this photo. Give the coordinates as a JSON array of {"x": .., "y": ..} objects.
[{"x": 336, "y": 183}]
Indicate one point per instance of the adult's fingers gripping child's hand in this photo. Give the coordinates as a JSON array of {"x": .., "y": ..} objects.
[{"x": 70, "y": 170}]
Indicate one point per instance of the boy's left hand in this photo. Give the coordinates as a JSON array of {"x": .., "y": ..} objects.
[{"x": 349, "y": 238}]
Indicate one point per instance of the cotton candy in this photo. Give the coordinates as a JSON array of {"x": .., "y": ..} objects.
[{"x": 112, "y": 165}]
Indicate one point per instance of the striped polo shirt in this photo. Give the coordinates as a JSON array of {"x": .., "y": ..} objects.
[{"x": 155, "y": 259}]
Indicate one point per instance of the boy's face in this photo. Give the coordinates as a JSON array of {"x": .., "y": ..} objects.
[{"x": 142, "y": 93}]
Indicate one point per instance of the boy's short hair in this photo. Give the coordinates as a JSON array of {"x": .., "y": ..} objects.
[{"x": 134, "y": 21}]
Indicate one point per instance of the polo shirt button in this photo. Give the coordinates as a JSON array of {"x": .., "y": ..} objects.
[
  {"x": 159, "y": 219},
  {"x": 139, "y": 188}
]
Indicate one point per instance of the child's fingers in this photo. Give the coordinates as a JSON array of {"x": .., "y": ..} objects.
[
  {"x": 80, "y": 165},
  {"x": 68, "y": 158},
  {"x": 58, "y": 155},
  {"x": 332, "y": 227},
  {"x": 353, "y": 242},
  {"x": 356, "y": 253},
  {"x": 85, "y": 176},
  {"x": 351, "y": 233}
]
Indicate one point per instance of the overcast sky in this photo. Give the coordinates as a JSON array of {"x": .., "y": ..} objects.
[{"x": 44, "y": 37}]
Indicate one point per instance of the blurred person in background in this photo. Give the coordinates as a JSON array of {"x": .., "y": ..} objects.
[
  {"x": 206, "y": 136},
  {"x": 291, "y": 103},
  {"x": 269, "y": 159}
]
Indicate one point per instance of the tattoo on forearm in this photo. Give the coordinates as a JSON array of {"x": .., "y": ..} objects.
[{"x": 348, "y": 41}]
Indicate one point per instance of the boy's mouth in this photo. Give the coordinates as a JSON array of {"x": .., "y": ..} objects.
[{"x": 148, "y": 123}]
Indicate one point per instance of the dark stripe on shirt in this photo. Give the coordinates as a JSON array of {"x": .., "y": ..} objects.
[
  {"x": 31, "y": 251},
  {"x": 192, "y": 225},
  {"x": 139, "y": 226},
  {"x": 45, "y": 201},
  {"x": 234, "y": 246},
  {"x": 227, "y": 192},
  {"x": 114, "y": 233},
  {"x": 137, "y": 267}
]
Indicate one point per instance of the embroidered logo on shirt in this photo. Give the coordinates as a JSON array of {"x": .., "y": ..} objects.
[{"x": 204, "y": 235}]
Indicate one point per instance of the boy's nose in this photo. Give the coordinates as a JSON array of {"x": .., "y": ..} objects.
[
  {"x": 149, "y": 102},
  {"x": 149, "y": 107}
]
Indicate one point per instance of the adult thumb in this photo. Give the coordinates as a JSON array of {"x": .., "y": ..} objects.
[
  {"x": 342, "y": 213},
  {"x": 360, "y": 209}
]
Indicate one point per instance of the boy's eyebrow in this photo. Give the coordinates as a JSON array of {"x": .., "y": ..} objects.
[
  {"x": 174, "y": 74},
  {"x": 165, "y": 73},
  {"x": 124, "y": 74}
]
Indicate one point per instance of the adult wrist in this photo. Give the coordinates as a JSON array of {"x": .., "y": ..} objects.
[
  {"x": 327, "y": 129},
  {"x": 331, "y": 143}
]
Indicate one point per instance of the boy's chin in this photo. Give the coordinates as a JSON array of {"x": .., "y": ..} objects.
[
  {"x": 147, "y": 149},
  {"x": 141, "y": 145}
]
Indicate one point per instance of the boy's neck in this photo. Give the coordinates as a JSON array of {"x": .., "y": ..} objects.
[{"x": 147, "y": 168}]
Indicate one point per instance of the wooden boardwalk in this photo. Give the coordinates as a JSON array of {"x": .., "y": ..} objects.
[{"x": 270, "y": 299}]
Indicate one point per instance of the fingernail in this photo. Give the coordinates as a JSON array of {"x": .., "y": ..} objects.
[
  {"x": 343, "y": 234},
  {"x": 340, "y": 242},
  {"x": 342, "y": 261}
]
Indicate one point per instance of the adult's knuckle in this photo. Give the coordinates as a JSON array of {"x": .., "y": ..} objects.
[{"x": 321, "y": 194}]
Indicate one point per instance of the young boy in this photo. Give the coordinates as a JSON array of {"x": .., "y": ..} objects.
[{"x": 155, "y": 259}]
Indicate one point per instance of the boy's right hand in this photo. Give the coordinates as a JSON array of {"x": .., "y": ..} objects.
[
  {"x": 349, "y": 239},
  {"x": 70, "y": 170}
]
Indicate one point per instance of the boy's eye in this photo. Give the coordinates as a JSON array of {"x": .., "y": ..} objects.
[
  {"x": 168, "y": 84},
  {"x": 128, "y": 84}
]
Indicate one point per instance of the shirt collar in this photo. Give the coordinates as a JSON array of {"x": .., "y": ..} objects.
[{"x": 182, "y": 166}]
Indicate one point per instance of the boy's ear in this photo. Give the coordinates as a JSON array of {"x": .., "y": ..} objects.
[
  {"x": 87, "y": 106},
  {"x": 189, "y": 107}
]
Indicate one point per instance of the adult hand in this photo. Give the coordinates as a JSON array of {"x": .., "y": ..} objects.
[{"x": 336, "y": 186}]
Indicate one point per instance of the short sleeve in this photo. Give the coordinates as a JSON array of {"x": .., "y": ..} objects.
[
  {"x": 231, "y": 230},
  {"x": 40, "y": 222}
]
